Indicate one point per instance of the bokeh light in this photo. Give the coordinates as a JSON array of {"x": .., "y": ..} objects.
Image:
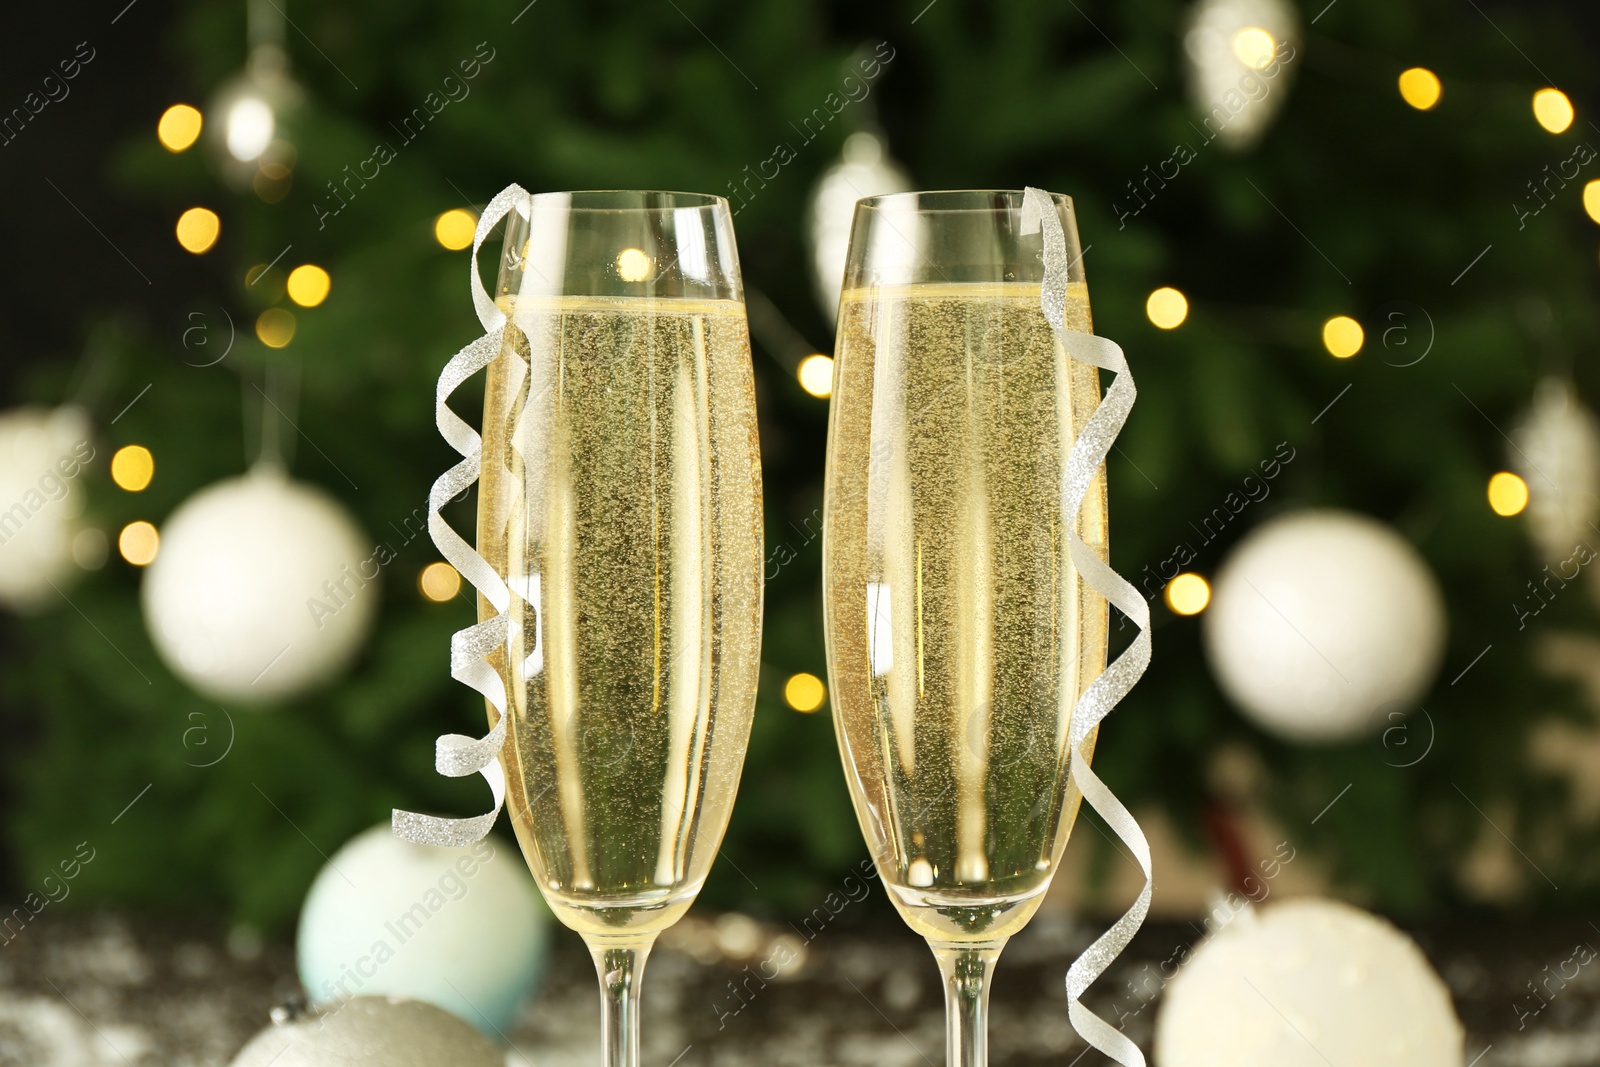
[
  {"x": 309, "y": 285},
  {"x": 1552, "y": 109},
  {"x": 179, "y": 127},
  {"x": 1254, "y": 47},
  {"x": 1342, "y": 336},
  {"x": 1508, "y": 494},
  {"x": 250, "y": 125},
  {"x": 198, "y": 229},
  {"x": 633, "y": 265},
  {"x": 455, "y": 229},
  {"x": 804, "y": 692},
  {"x": 138, "y": 543},
  {"x": 132, "y": 467},
  {"x": 816, "y": 375},
  {"x": 1188, "y": 594},
  {"x": 275, "y": 327},
  {"x": 1167, "y": 308},
  {"x": 1591, "y": 199},
  {"x": 1420, "y": 88},
  {"x": 439, "y": 582}
]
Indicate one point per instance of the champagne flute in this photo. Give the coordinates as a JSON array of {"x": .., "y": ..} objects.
[
  {"x": 959, "y": 633},
  {"x": 621, "y": 500}
]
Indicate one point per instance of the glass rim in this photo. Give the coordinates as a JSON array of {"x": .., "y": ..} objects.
[
  {"x": 959, "y": 197},
  {"x": 624, "y": 200}
]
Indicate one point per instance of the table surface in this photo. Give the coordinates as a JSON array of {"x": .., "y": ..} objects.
[{"x": 86, "y": 990}]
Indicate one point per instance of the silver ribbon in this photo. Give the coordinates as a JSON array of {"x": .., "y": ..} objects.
[
  {"x": 1088, "y": 454},
  {"x": 457, "y": 755}
]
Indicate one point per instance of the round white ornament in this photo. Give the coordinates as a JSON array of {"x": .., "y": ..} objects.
[
  {"x": 1321, "y": 618},
  {"x": 865, "y": 170},
  {"x": 1556, "y": 450},
  {"x": 372, "y": 1030},
  {"x": 262, "y": 588},
  {"x": 1241, "y": 56},
  {"x": 462, "y": 928},
  {"x": 1307, "y": 983},
  {"x": 43, "y": 453}
]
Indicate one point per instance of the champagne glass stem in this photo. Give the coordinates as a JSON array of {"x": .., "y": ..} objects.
[
  {"x": 966, "y": 969},
  {"x": 620, "y": 968}
]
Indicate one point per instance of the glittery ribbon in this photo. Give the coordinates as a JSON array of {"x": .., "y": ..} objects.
[
  {"x": 456, "y": 755},
  {"x": 1088, "y": 454}
]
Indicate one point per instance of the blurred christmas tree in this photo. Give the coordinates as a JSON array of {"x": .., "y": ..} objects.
[{"x": 1353, "y": 203}]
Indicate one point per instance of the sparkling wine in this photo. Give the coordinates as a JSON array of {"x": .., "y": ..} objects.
[
  {"x": 621, "y": 498},
  {"x": 959, "y": 633}
]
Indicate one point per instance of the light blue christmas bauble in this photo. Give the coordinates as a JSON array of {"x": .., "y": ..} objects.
[{"x": 462, "y": 928}]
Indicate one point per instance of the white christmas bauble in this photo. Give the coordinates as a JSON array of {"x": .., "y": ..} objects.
[
  {"x": 865, "y": 170},
  {"x": 371, "y": 1030},
  {"x": 462, "y": 928},
  {"x": 1556, "y": 450},
  {"x": 262, "y": 588},
  {"x": 1319, "y": 619},
  {"x": 1242, "y": 54},
  {"x": 1307, "y": 983},
  {"x": 43, "y": 454}
]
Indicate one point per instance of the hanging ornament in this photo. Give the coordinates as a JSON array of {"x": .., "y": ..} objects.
[
  {"x": 1307, "y": 983},
  {"x": 865, "y": 170},
  {"x": 262, "y": 588},
  {"x": 1241, "y": 58},
  {"x": 370, "y": 1030},
  {"x": 1321, "y": 618},
  {"x": 462, "y": 928},
  {"x": 249, "y": 110},
  {"x": 43, "y": 454},
  {"x": 1556, "y": 451}
]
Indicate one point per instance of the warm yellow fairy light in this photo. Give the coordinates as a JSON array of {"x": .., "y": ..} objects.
[
  {"x": 138, "y": 543},
  {"x": 633, "y": 265},
  {"x": 132, "y": 467},
  {"x": 198, "y": 229},
  {"x": 275, "y": 327},
  {"x": 1508, "y": 494},
  {"x": 816, "y": 375},
  {"x": 1553, "y": 110},
  {"x": 1342, "y": 336},
  {"x": 1254, "y": 47},
  {"x": 1420, "y": 88},
  {"x": 1167, "y": 308},
  {"x": 308, "y": 285},
  {"x": 179, "y": 127},
  {"x": 455, "y": 229},
  {"x": 804, "y": 692},
  {"x": 439, "y": 582},
  {"x": 1591, "y": 199},
  {"x": 1188, "y": 594}
]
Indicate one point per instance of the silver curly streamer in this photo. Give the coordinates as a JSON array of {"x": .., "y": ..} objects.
[
  {"x": 456, "y": 755},
  {"x": 1088, "y": 453}
]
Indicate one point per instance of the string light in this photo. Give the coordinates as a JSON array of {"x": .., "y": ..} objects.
[
  {"x": 1591, "y": 199},
  {"x": 309, "y": 285},
  {"x": 1342, "y": 336},
  {"x": 1167, "y": 308},
  {"x": 439, "y": 582},
  {"x": 1420, "y": 88},
  {"x": 179, "y": 127},
  {"x": 1254, "y": 47},
  {"x": 455, "y": 229},
  {"x": 132, "y": 468},
  {"x": 138, "y": 543},
  {"x": 816, "y": 375},
  {"x": 1188, "y": 594},
  {"x": 1552, "y": 109},
  {"x": 633, "y": 265},
  {"x": 1508, "y": 494},
  {"x": 275, "y": 327},
  {"x": 198, "y": 229},
  {"x": 804, "y": 692}
]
